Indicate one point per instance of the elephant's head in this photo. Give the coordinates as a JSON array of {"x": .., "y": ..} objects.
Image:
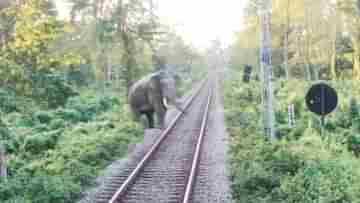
[{"x": 168, "y": 89}]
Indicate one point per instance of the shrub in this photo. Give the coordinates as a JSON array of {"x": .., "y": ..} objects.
[
  {"x": 52, "y": 88},
  {"x": 43, "y": 116},
  {"x": 7, "y": 101},
  {"x": 283, "y": 132},
  {"x": 57, "y": 124},
  {"x": 343, "y": 120},
  {"x": 41, "y": 142},
  {"x": 57, "y": 188},
  {"x": 258, "y": 170},
  {"x": 13, "y": 189},
  {"x": 302, "y": 167},
  {"x": 354, "y": 109},
  {"x": 39, "y": 128},
  {"x": 90, "y": 107},
  {"x": 69, "y": 115},
  {"x": 53, "y": 154},
  {"x": 322, "y": 181},
  {"x": 353, "y": 143},
  {"x": 4, "y": 131},
  {"x": 82, "y": 75}
]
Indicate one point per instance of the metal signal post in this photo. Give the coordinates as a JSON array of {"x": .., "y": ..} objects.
[{"x": 266, "y": 69}]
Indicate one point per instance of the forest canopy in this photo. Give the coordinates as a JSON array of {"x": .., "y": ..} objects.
[{"x": 310, "y": 39}]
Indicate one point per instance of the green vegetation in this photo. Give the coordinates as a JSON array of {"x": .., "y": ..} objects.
[
  {"x": 64, "y": 113},
  {"x": 303, "y": 166},
  {"x": 310, "y": 41},
  {"x": 63, "y": 104},
  {"x": 55, "y": 154}
]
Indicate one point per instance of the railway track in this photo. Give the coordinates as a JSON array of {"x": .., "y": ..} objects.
[{"x": 167, "y": 172}]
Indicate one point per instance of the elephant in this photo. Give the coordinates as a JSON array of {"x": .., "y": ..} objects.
[{"x": 152, "y": 95}]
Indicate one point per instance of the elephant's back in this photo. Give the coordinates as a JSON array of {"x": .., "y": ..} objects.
[
  {"x": 140, "y": 84},
  {"x": 138, "y": 98}
]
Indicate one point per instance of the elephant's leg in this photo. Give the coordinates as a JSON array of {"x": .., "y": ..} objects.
[
  {"x": 150, "y": 118},
  {"x": 160, "y": 112},
  {"x": 139, "y": 117}
]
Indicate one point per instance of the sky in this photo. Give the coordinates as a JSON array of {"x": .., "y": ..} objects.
[{"x": 199, "y": 21}]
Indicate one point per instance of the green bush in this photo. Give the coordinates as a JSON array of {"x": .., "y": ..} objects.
[
  {"x": 301, "y": 167},
  {"x": 356, "y": 125},
  {"x": 12, "y": 190},
  {"x": 20, "y": 119},
  {"x": 7, "y": 101},
  {"x": 54, "y": 154},
  {"x": 353, "y": 143},
  {"x": 57, "y": 188},
  {"x": 39, "y": 128},
  {"x": 88, "y": 108},
  {"x": 69, "y": 115},
  {"x": 57, "y": 124},
  {"x": 258, "y": 168},
  {"x": 43, "y": 116},
  {"x": 39, "y": 143},
  {"x": 52, "y": 88},
  {"x": 343, "y": 120},
  {"x": 5, "y": 133},
  {"x": 354, "y": 109},
  {"x": 322, "y": 181},
  {"x": 81, "y": 76}
]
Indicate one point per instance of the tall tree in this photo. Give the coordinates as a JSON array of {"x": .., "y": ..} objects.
[{"x": 351, "y": 12}]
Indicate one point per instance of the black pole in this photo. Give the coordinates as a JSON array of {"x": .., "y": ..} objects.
[{"x": 322, "y": 125}]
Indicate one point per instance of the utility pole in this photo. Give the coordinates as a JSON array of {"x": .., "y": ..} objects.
[
  {"x": 266, "y": 69},
  {"x": 286, "y": 42}
]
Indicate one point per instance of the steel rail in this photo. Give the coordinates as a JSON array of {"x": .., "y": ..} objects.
[
  {"x": 131, "y": 178},
  {"x": 196, "y": 159}
]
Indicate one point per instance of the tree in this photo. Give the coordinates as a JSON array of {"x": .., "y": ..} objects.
[
  {"x": 309, "y": 36},
  {"x": 135, "y": 23},
  {"x": 351, "y": 12},
  {"x": 27, "y": 52},
  {"x": 122, "y": 31}
]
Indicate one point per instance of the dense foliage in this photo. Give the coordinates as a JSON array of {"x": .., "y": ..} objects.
[
  {"x": 63, "y": 107},
  {"x": 55, "y": 154},
  {"x": 303, "y": 166},
  {"x": 309, "y": 39}
]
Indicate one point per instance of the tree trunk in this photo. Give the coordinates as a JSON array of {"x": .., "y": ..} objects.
[
  {"x": 307, "y": 56},
  {"x": 356, "y": 66},
  {"x": 286, "y": 56},
  {"x": 333, "y": 49},
  {"x": 128, "y": 45},
  {"x": 129, "y": 59},
  {"x": 302, "y": 56},
  {"x": 333, "y": 61}
]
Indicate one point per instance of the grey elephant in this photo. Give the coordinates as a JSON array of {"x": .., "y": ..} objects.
[{"x": 151, "y": 96}]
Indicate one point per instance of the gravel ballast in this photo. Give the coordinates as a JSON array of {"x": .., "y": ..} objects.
[{"x": 213, "y": 182}]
